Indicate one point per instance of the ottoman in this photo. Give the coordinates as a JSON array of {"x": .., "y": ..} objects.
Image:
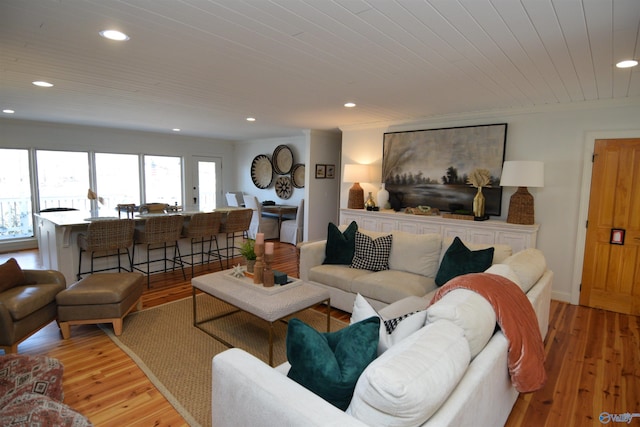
[{"x": 99, "y": 298}]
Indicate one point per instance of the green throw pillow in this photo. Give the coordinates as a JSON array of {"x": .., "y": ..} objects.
[
  {"x": 340, "y": 246},
  {"x": 329, "y": 364},
  {"x": 459, "y": 260}
]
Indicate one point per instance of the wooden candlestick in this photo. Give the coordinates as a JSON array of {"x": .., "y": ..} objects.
[
  {"x": 258, "y": 248},
  {"x": 267, "y": 275}
]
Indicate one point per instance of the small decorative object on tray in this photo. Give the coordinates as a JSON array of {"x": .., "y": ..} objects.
[
  {"x": 237, "y": 271},
  {"x": 423, "y": 210},
  {"x": 248, "y": 283}
]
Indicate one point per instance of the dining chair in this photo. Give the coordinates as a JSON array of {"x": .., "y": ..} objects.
[
  {"x": 291, "y": 230},
  {"x": 259, "y": 223}
]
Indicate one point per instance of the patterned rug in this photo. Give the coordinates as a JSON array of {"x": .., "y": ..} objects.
[{"x": 176, "y": 356}]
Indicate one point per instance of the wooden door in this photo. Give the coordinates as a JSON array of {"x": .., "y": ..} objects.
[{"x": 611, "y": 271}]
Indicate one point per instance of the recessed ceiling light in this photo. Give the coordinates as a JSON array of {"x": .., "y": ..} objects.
[
  {"x": 114, "y": 35},
  {"x": 251, "y": 119},
  {"x": 176, "y": 129},
  {"x": 42, "y": 84},
  {"x": 350, "y": 104},
  {"x": 627, "y": 63},
  {"x": 7, "y": 111}
]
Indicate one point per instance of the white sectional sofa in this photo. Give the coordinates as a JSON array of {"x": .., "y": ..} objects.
[
  {"x": 451, "y": 371},
  {"x": 413, "y": 264}
]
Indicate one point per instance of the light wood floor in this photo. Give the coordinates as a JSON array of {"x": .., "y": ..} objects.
[{"x": 592, "y": 361}]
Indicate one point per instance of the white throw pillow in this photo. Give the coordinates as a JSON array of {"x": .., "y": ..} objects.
[
  {"x": 408, "y": 383},
  {"x": 470, "y": 311},
  {"x": 529, "y": 265},
  {"x": 415, "y": 253},
  {"x": 404, "y": 327}
]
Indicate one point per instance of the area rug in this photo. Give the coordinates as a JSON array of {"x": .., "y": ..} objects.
[{"x": 176, "y": 356}]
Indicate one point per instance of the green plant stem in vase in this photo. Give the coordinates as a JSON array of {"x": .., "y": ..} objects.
[{"x": 247, "y": 250}]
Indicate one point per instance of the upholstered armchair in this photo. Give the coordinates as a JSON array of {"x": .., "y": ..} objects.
[{"x": 27, "y": 302}]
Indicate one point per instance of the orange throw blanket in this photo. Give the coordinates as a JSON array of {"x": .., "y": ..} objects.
[{"x": 518, "y": 321}]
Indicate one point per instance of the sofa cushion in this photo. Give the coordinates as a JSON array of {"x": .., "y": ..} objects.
[
  {"x": 411, "y": 380},
  {"x": 500, "y": 251},
  {"x": 329, "y": 364},
  {"x": 392, "y": 330},
  {"x": 336, "y": 276},
  {"x": 529, "y": 265},
  {"x": 415, "y": 253},
  {"x": 391, "y": 285},
  {"x": 10, "y": 275},
  {"x": 21, "y": 301},
  {"x": 20, "y": 374},
  {"x": 459, "y": 260},
  {"x": 31, "y": 409},
  {"x": 340, "y": 245},
  {"x": 372, "y": 254},
  {"x": 471, "y": 312}
]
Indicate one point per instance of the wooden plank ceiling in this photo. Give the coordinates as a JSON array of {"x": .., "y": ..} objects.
[{"x": 204, "y": 66}]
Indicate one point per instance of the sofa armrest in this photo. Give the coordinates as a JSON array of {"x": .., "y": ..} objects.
[
  {"x": 540, "y": 297},
  {"x": 44, "y": 277},
  {"x": 311, "y": 255},
  {"x": 246, "y": 392}
]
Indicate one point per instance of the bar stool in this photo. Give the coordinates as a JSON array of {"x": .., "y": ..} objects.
[
  {"x": 159, "y": 232},
  {"x": 237, "y": 224},
  {"x": 106, "y": 238},
  {"x": 203, "y": 227},
  {"x": 128, "y": 208}
]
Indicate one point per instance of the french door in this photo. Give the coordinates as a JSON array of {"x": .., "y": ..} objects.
[{"x": 207, "y": 183}]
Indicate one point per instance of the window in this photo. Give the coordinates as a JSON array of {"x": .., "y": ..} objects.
[
  {"x": 63, "y": 179},
  {"x": 163, "y": 179},
  {"x": 117, "y": 179},
  {"x": 16, "y": 220}
]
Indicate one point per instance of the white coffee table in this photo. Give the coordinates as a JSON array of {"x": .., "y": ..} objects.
[{"x": 268, "y": 304}]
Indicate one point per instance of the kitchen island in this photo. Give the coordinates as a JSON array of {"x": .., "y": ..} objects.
[{"x": 57, "y": 234}]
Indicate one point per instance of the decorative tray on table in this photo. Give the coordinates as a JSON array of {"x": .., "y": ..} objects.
[{"x": 248, "y": 282}]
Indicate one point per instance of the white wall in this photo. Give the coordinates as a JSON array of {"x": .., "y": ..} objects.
[
  {"x": 323, "y": 203},
  {"x": 557, "y": 136}
]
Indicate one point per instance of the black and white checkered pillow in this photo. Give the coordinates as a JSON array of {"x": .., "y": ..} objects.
[
  {"x": 372, "y": 254},
  {"x": 391, "y": 324}
]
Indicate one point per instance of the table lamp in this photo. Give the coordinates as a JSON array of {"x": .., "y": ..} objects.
[
  {"x": 522, "y": 174},
  {"x": 356, "y": 174}
]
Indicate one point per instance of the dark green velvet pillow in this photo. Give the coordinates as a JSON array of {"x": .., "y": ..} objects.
[
  {"x": 459, "y": 260},
  {"x": 340, "y": 246},
  {"x": 329, "y": 364}
]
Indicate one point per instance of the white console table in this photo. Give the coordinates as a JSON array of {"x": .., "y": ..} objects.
[{"x": 517, "y": 236}]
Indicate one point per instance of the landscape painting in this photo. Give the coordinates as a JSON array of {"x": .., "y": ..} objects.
[{"x": 431, "y": 167}]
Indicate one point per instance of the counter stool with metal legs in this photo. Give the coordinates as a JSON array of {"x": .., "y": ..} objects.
[
  {"x": 236, "y": 225},
  {"x": 106, "y": 238},
  {"x": 159, "y": 232},
  {"x": 202, "y": 228}
]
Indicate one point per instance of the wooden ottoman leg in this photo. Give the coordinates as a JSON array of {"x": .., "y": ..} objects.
[
  {"x": 65, "y": 328},
  {"x": 117, "y": 326}
]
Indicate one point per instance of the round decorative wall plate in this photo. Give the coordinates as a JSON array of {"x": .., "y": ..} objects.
[
  {"x": 283, "y": 187},
  {"x": 261, "y": 171},
  {"x": 282, "y": 160},
  {"x": 297, "y": 175}
]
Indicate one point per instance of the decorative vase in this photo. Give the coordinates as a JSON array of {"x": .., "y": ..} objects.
[
  {"x": 383, "y": 197},
  {"x": 250, "y": 264},
  {"x": 478, "y": 204},
  {"x": 369, "y": 203}
]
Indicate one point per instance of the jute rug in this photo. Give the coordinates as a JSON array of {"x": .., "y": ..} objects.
[{"x": 176, "y": 356}]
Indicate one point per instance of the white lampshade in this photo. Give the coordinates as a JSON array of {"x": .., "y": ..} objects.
[
  {"x": 356, "y": 173},
  {"x": 518, "y": 173}
]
